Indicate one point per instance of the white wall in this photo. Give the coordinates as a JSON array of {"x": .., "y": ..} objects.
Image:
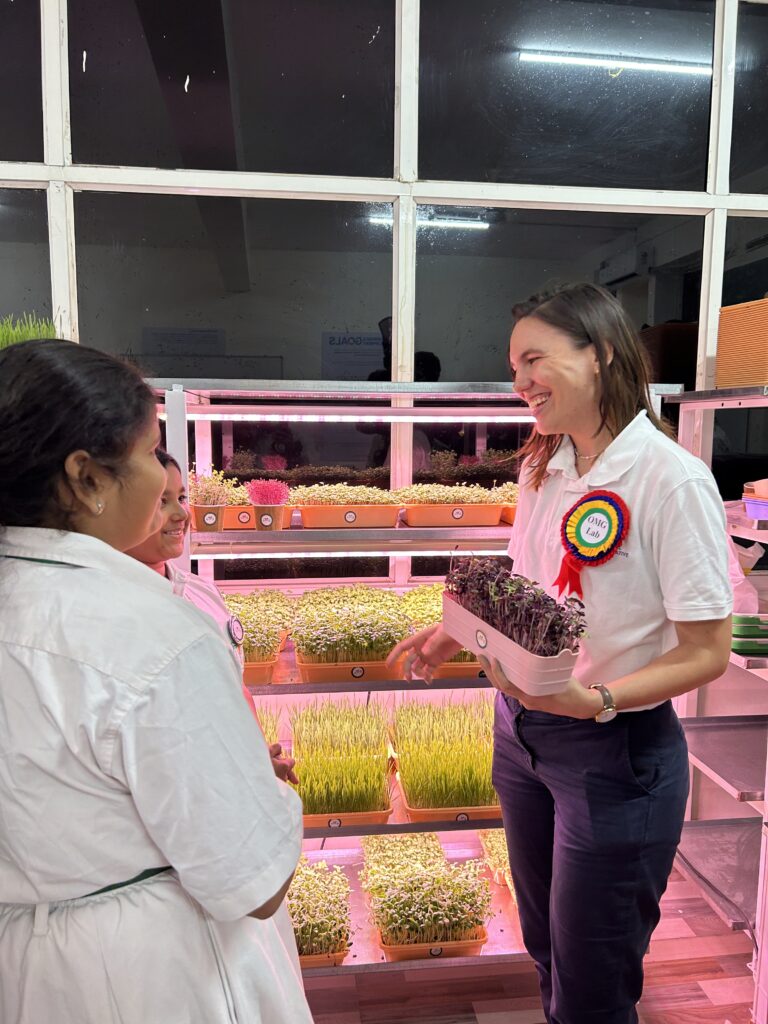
[{"x": 463, "y": 312}]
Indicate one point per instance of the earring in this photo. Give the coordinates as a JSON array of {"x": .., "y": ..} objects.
[{"x": 99, "y": 507}]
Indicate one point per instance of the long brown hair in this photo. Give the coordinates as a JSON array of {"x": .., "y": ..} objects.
[{"x": 590, "y": 315}]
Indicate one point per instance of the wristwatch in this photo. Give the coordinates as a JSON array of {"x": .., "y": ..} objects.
[{"x": 609, "y": 711}]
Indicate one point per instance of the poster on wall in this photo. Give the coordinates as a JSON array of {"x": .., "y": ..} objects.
[{"x": 351, "y": 355}]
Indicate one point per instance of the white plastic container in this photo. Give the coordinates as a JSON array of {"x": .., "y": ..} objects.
[{"x": 530, "y": 673}]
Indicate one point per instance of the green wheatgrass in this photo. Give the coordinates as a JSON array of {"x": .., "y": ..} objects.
[
  {"x": 342, "y": 753},
  {"x": 444, "y": 753},
  {"x": 27, "y": 327}
]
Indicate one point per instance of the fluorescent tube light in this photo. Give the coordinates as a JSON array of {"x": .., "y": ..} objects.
[
  {"x": 430, "y": 552},
  {"x": 588, "y": 60},
  {"x": 383, "y": 417},
  {"x": 458, "y": 223}
]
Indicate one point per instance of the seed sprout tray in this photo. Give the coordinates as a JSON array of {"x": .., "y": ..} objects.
[
  {"x": 760, "y": 632},
  {"x": 528, "y": 672},
  {"x": 452, "y": 515},
  {"x": 449, "y": 813},
  {"x": 310, "y": 960},
  {"x": 460, "y": 670},
  {"x": 347, "y": 819},
  {"x": 258, "y": 672},
  {"x": 427, "y": 950},
  {"x": 343, "y": 671},
  {"x": 336, "y": 516},
  {"x": 238, "y": 517}
]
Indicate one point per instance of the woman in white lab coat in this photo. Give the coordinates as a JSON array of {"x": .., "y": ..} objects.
[{"x": 145, "y": 842}]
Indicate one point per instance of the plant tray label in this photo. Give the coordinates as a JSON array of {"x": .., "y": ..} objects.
[
  {"x": 236, "y": 631},
  {"x": 458, "y": 513},
  {"x": 592, "y": 531},
  {"x": 334, "y": 823},
  {"x": 436, "y": 951},
  {"x": 462, "y": 817},
  {"x": 265, "y": 520},
  {"x": 358, "y": 672},
  {"x": 350, "y": 516},
  {"x": 482, "y": 639},
  {"x": 210, "y": 518},
  {"x": 243, "y": 517}
]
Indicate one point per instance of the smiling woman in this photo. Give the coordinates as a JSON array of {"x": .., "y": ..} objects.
[
  {"x": 576, "y": 360},
  {"x": 593, "y": 780}
]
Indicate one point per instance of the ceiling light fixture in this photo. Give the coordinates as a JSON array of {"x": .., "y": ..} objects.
[
  {"x": 457, "y": 223},
  {"x": 588, "y": 60}
]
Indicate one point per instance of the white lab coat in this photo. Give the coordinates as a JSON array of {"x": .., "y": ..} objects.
[{"x": 125, "y": 745}]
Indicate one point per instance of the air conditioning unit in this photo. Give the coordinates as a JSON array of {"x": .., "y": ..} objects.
[{"x": 624, "y": 265}]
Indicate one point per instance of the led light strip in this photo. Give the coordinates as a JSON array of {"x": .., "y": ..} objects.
[
  {"x": 383, "y": 417},
  {"x": 240, "y": 556},
  {"x": 586, "y": 60}
]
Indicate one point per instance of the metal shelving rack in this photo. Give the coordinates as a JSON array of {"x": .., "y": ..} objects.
[
  {"x": 203, "y": 402},
  {"x": 728, "y": 857}
]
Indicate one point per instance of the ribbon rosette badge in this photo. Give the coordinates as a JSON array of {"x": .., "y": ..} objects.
[{"x": 592, "y": 532}]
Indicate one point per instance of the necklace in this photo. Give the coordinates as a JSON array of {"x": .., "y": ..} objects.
[{"x": 587, "y": 458}]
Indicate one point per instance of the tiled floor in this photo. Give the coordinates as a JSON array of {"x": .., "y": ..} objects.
[{"x": 696, "y": 973}]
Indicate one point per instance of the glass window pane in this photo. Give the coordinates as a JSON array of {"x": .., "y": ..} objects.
[
  {"x": 25, "y": 277},
  {"x": 21, "y": 106},
  {"x": 221, "y": 287},
  {"x": 469, "y": 277},
  {"x": 301, "y": 87},
  {"x": 343, "y": 569},
  {"x": 749, "y": 150},
  {"x": 746, "y": 260},
  {"x": 740, "y": 443},
  {"x": 565, "y": 93}
]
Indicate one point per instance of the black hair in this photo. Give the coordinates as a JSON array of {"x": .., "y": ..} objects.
[
  {"x": 166, "y": 459},
  {"x": 57, "y": 397}
]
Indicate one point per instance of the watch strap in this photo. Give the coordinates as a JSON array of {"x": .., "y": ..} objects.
[{"x": 609, "y": 705}]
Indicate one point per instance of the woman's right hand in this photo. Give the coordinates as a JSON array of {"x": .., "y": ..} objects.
[{"x": 424, "y": 653}]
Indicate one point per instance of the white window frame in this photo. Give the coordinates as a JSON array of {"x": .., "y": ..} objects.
[{"x": 60, "y": 178}]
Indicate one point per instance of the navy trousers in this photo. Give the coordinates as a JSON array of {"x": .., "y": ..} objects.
[{"x": 593, "y": 815}]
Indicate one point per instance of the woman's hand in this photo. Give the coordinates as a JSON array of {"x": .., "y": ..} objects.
[
  {"x": 424, "y": 652},
  {"x": 575, "y": 701},
  {"x": 282, "y": 766}
]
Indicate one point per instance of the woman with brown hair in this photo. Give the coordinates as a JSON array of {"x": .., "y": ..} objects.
[{"x": 593, "y": 781}]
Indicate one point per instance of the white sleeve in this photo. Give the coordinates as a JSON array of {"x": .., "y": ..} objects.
[
  {"x": 201, "y": 777},
  {"x": 690, "y": 552}
]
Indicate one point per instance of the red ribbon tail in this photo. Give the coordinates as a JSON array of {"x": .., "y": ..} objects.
[{"x": 569, "y": 579}]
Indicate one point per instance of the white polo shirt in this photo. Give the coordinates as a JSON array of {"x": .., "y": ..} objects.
[
  {"x": 206, "y": 597},
  {"x": 672, "y": 566},
  {"x": 124, "y": 740}
]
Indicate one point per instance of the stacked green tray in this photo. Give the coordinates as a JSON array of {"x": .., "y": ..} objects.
[{"x": 750, "y": 635}]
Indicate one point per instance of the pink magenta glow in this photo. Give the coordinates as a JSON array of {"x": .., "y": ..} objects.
[{"x": 233, "y": 556}]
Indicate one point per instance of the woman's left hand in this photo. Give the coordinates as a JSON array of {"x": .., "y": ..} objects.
[{"x": 575, "y": 701}]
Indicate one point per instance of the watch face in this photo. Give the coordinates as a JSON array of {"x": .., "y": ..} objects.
[{"x": 606, "y": 716}]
